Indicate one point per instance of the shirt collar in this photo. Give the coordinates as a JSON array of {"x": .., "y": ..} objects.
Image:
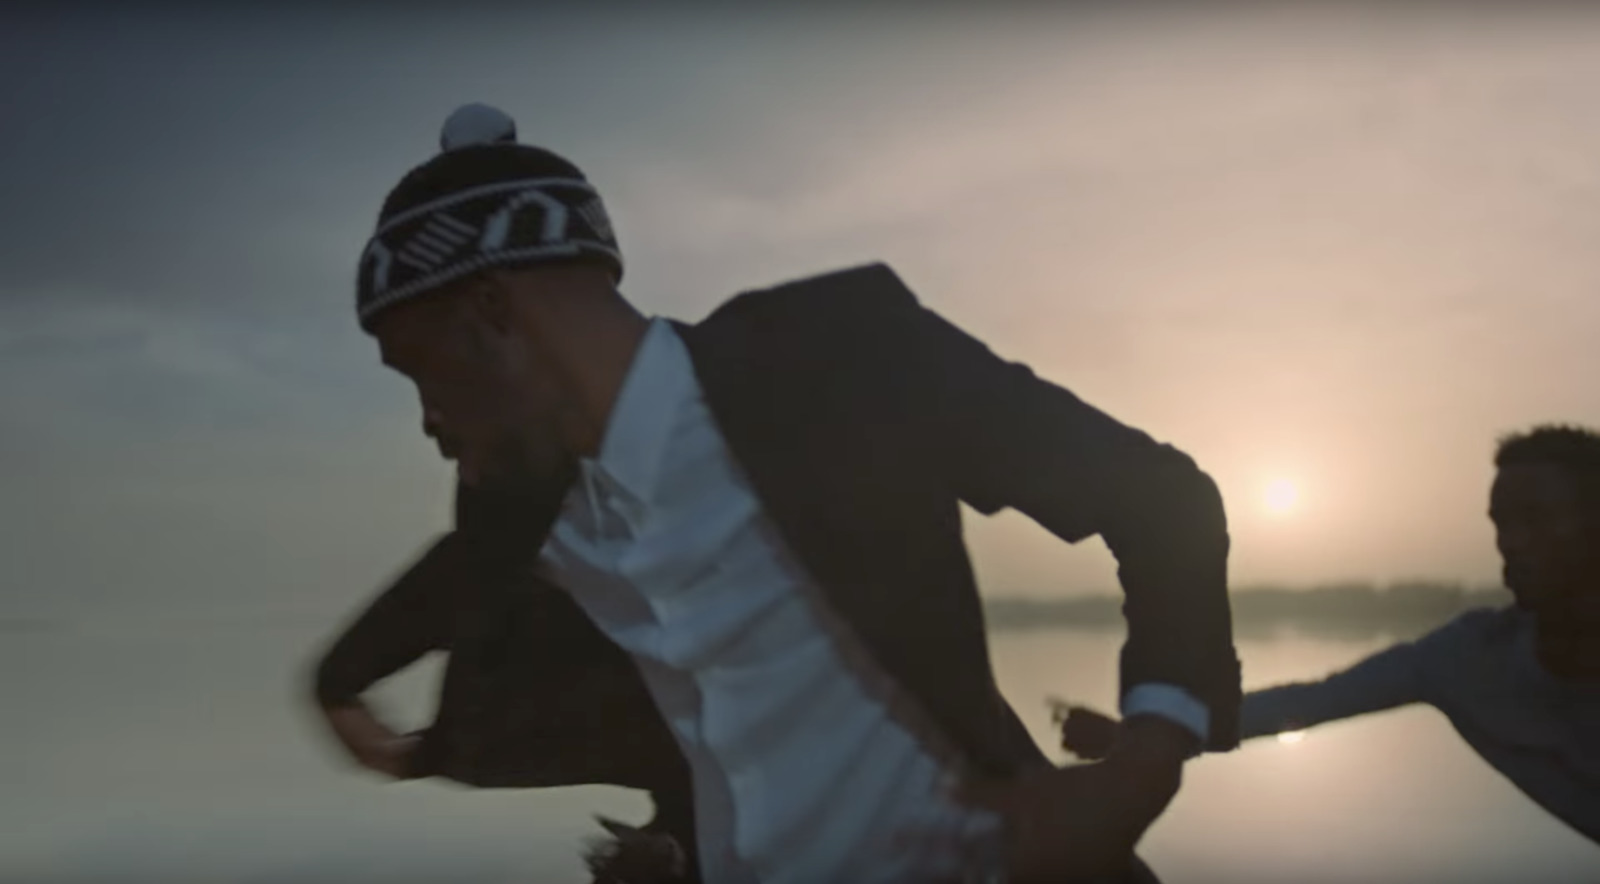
[{"x": 659, "y": 383}]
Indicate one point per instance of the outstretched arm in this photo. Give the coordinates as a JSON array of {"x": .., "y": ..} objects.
[{"x": 1385, "y": 680}]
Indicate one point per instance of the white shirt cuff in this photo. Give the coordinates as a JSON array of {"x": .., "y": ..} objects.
[{"x": 1172, "y": 703}]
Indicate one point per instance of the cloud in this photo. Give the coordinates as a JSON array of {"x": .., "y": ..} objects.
[{"x": 1319, "y": 235}]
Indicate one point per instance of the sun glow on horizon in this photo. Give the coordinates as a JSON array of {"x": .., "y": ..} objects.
[
  {"x": 1289, "y": 738},
  {"x": 1282, "y": 496}
]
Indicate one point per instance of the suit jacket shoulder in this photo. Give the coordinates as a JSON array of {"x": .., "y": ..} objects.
[{"x": 852, "y": 290}]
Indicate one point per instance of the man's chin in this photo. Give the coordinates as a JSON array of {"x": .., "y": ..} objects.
[
  {"x": 1523, "y": 590},
  {"x": 510, "y": 477},
  {"x": 468, "y": 475},
  {"x": 493, "y": 480},
  {"x": 1569, "y": 657}
]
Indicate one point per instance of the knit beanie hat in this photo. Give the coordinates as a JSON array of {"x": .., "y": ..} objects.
[{"x": 484, "y": 201}]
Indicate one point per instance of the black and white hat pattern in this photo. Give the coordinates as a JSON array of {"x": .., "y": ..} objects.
[{"x": 485, "y": 201}]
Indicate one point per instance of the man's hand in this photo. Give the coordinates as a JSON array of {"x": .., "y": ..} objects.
[
  {"x": 1084, "y": 732},
  {"x": 1084, "y": 821},
  {"x": 372, "y": 744}
]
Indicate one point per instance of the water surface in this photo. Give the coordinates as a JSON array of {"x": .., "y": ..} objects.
[{"x": 176, "y": 752}]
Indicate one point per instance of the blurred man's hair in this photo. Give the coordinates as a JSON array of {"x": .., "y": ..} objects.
[{"x": 1564, "y": 445}]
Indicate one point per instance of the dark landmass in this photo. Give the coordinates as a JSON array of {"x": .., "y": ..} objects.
[
  {"x": 1354, "y": 611},
  {"x": 1342, "y": 611}
]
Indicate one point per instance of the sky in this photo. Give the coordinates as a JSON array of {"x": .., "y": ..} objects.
[{"x": 1330, "y": 251}]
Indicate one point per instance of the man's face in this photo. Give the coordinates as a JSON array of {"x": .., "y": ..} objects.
[
  {"x": 1545, "y": 542},
  {"x": 485, "y": 399}
]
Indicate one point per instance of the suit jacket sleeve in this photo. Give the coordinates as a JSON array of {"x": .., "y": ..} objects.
[
  {"x": 405, "y": 622},
  {"x": 1010, "y": 439}
]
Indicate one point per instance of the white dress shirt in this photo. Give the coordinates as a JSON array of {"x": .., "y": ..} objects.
[{"x": 800, "y": 774}]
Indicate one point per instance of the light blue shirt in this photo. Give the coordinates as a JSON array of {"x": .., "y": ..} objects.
[{"x": 1480, "y": 670}]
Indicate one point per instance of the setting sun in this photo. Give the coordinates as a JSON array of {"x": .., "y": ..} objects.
[{"x": 1281, "y": 496}]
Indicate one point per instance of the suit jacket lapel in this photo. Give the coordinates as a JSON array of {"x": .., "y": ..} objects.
[{"x": 770, "y": 422}]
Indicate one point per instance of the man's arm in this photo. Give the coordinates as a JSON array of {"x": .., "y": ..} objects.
[
  {"x": 1385, "y": 680},
  {"x": 1010, "y": 439},
  {"x": 405, "y": 622}
]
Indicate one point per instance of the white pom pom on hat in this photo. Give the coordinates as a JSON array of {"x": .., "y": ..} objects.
[{"x": 475, "y": 124}]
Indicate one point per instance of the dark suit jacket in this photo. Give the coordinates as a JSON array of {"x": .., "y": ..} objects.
[
  {"x": 511, "y": 714},
  {"x": 862, "y": 421}
]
